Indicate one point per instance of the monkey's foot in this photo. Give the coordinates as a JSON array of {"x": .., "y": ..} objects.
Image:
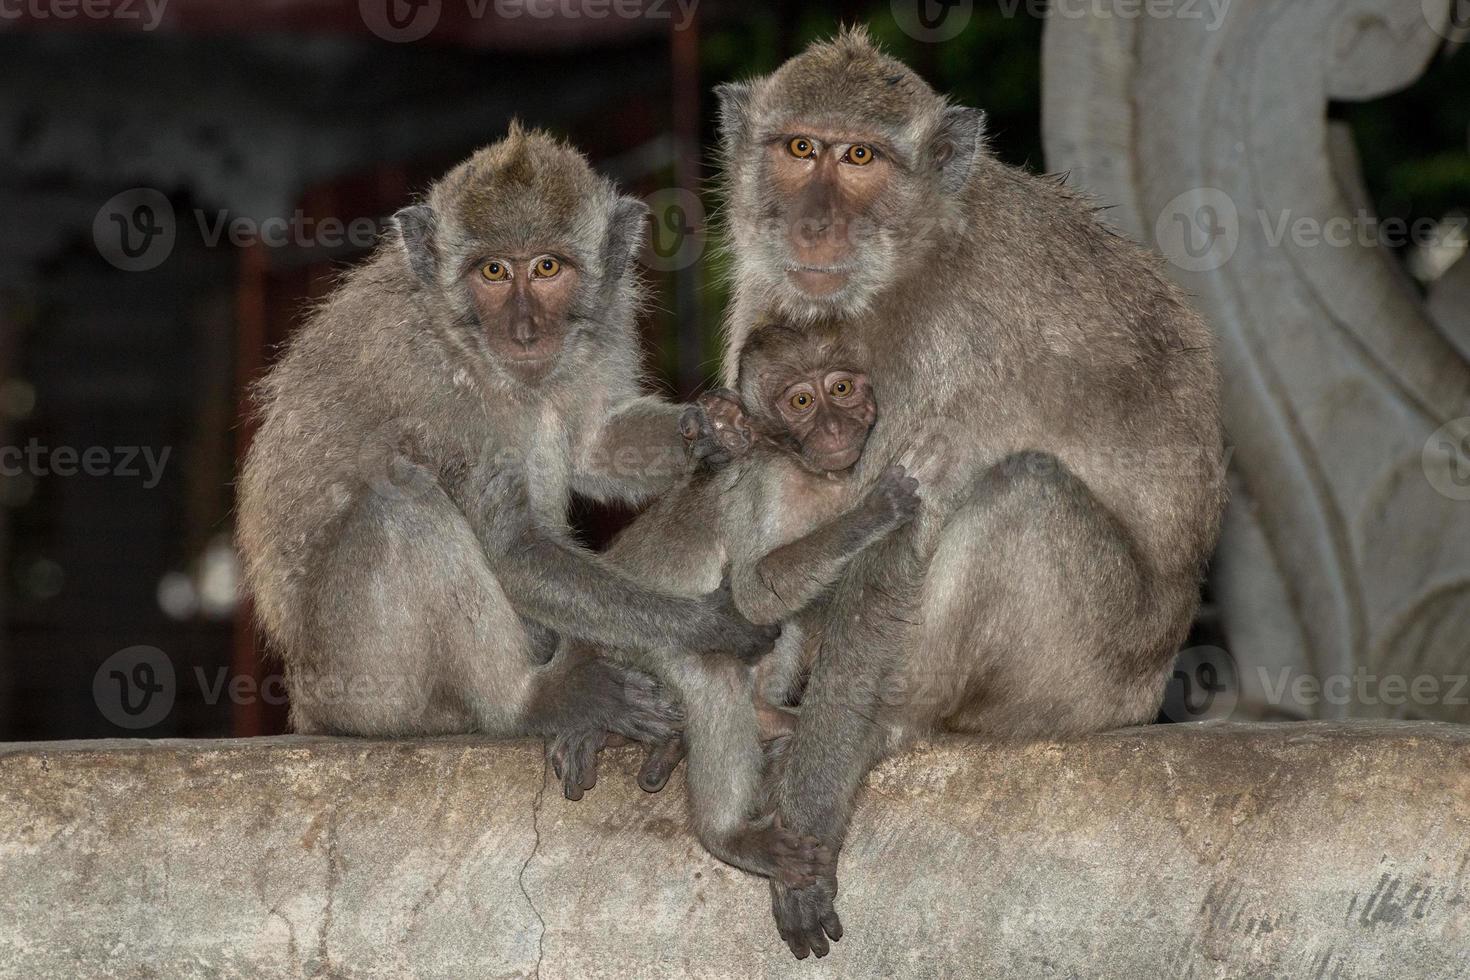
[
  {"x": 660, "y": 765},
  {"x": 806, "y": 917},
  {"x": 800, "y": 861},
  {"x": 630, "y": 707},
  {"x": 573, "y": 757}
]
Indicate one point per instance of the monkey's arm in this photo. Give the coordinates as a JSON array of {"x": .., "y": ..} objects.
[
  {"x": 637, "y": 452},
  {"x": 576, "y": 593},
  {"x": 785, "y": 581}
]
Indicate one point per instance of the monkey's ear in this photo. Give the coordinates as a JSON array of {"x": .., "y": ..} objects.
[
  {"x": 625, "y": 234},
  {"x": 735, "y": 98},
  {"x": 960, "y": 140},
  {"x": 416, "y": 226}
]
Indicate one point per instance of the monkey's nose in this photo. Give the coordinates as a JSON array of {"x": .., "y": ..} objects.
[
  {"x": 524, "y": 332},
  {"x": 821, "y": 246}
]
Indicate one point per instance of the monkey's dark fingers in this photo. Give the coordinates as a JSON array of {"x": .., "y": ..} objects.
[
  {"x": 660, "y": 765},
  {"x": 783, "y": 908},
  {"x": 583, "y": 776},
  {"x": 806, "y": 918},
  {"x": 573, "y": 757}
]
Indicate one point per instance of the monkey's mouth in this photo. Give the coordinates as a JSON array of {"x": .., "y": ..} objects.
[
  {"x": 530, "y": 365},
  {"x": 531, "y": 357},
  {"x": 837, "y": 461},
  {"x": 818, "y": 280}
]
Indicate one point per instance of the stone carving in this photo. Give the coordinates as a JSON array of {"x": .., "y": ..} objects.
[{"x": 1346, "y": 554}]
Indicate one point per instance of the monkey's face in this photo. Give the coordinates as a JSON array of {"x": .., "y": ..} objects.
[
  {"x": 832, "y": 201},
  {"x": 844, "y": 170},
  {"x": 522, "y": 303},
  {"x": 825, "y": 184},
  {"x": 828, "y": 415}
]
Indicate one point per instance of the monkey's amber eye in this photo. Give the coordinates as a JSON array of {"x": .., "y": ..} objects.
[
  {"x": 495, "y": 271},
  {"x": 842, "y": 388},
  {"x": 802, "y": 401},
  {"x": 860, "y": 154},
  {"x": 547, "y": 267},
  {"x": 802, "y": 148}
]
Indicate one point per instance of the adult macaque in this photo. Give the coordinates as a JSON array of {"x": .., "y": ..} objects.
[
  {"x": 403, "y": 507},
  {"x": 780, "y": 525},
  {"x": 1060, "y": 391}
]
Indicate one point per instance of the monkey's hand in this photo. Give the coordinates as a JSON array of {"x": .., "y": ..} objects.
[
  {"x": 727, "y": 631},
  {"x": 893, "y": 500},
  {"x": 807, "y": 917},
  {"x": 633, "y": 707},
  {"x": 503, "y": 501},
  {"x": 716, "y": 431}
]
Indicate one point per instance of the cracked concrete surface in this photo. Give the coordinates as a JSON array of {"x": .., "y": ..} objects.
[{"x": 1315, "y": 850}]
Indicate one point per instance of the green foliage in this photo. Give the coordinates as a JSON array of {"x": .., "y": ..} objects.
[{"x": 1415, "y": 144}]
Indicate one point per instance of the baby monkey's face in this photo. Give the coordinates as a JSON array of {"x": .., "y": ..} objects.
[{"x": 828, "y": 414}]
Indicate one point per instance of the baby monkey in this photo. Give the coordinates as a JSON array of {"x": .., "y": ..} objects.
[{"x": 777, "y": 525}]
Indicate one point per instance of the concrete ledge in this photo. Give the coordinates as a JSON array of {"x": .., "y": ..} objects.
[{"x": 1304, "y": 850}]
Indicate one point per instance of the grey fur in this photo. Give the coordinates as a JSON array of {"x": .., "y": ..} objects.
[
  {"x": 781, "y": 533},
  {"x": 402, "y": 511},
  {"x": 1056, "y": 397}
]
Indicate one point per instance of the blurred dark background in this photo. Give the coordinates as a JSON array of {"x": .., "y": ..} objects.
[{"x": 183, "y": 178}]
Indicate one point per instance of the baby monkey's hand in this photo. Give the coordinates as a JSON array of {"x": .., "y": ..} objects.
[
  {"x": 893, "y": 500},
  {"x": 716, "y": 431}
]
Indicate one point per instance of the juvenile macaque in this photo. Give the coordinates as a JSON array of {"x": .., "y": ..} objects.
[
  {"x": 780, "y": 525},
  {"x": 1060, "y": 392},
  {"x": 402, "y": 512}
]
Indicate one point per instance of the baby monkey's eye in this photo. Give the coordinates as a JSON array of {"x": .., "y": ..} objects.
[
  {"x": 842, "y": 388},
  {"x": 547, "y": 267},
  {"x": 860, "y": 154},
  {"x": 495, "y": 271},
  {"x": 802, "y": 148},
  {"x": 801, "y": 402}
]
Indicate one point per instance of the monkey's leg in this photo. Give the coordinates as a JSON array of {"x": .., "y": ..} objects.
[
  {"x": 1030, "y": 569},
  {"x": 723, "y": 735},
  {"x": 416, "y": 636}
]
